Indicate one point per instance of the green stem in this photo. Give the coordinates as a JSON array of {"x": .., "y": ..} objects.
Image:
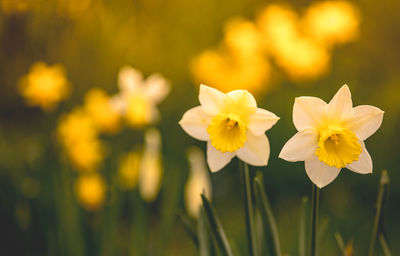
[
  {"x": 249, "y": 210},
  {"x": 384, "y": 245},
  {"x": 271, "y": 228},
  {"x": 314, "y": 219},
  {"x": 305, "y": 207},
  {"x": 383, "y": 188},
  {"x": 340, "y": 243}
]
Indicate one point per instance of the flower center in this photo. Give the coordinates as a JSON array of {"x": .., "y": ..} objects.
[
  {"x": 138, "y": 111},
  {"x": 337, "y": 146},
  {"x": 227, "y": 132}
]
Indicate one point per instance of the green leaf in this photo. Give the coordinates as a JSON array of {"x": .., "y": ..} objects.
[
  {"x": 188, "y": 228},
  {"x": 204, "y": 239},
  {"x": 267, "y": 215},
  {"x": 216, "y": 227}
]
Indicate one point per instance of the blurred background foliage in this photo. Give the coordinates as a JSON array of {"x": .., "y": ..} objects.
[{"x": 53, "y": 205}]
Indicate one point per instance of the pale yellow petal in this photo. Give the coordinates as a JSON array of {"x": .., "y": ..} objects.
[
  {"x": 365, "y": 121},
  {"x": 243, "y": 96},
  {"x": 216, "y": 159},
  {"x": 195, "y": 122},
  {"x": 255, "y": 151},
  {"x": 129, "y": 79},
  {"x": 340, "y": 107},
  {"x": 320, "y": 173},
  {"x": 301, "y": 146},
  {"x": 308, "y": 112},
  {"x": 211, "y": 99},
  {"x": 261, "y": 121},
  {"x": 364, "y": 163},
  {"x": 157, "y": 88}
]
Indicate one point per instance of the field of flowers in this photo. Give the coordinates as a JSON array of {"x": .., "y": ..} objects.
[{"x": 149, "y": 127}]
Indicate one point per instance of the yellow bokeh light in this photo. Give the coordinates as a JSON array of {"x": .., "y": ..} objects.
[
  {"x": 90, "y": 190},
  {"x": 44, "y": 86}
]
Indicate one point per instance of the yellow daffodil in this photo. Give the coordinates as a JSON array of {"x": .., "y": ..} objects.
[
  {"x": 90, "y": 189},
  {"x": 128, "y": 171},
  {"x": 331, "y": 136},
  {"x": 78, "y": 136},
  {"x": 138, "y": 98},
  {"x": 332, "y": 22},
  {"x": 232, "y": 125},
  {"x": 98, "y": 106},
  {"x": 198, "y": 182},
  {"x": 150, "y": 169},
  {"x": 44, "y": 86},
  {"x": 227, "y": 72}
]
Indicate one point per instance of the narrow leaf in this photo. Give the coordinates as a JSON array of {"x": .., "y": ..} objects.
[
  {"x": 340, "y": 243},
  {"x": 267, "y": 215},
  {"x": 188, "y": 228},
  {"x": 384, "y": 245},
  {"x": 216, "y": 227},
  {"x": 204, "y": 239}
]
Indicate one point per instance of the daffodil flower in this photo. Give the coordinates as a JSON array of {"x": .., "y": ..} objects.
[
  {"x": 232, "y": 125},
  {"x": 331, "y": 136},
  {"x": 138, "y": 98}
]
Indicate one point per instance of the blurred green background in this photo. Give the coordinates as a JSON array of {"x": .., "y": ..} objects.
[{"x": 93, "y": 39}]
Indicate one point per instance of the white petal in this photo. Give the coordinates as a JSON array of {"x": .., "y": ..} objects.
[
  {"x": 341, "y": 104},
  {"x": 365, "y": 121},
  {"x": 364, "y": 163},
  {"x": 307, "y": 112},
  {"x": 157, "y": 88},
  {"x": 216, "y": 159},
  {"x": 243, "y": 95},
  {"x": 301, "y": 146},
  {"x": 320, "y": 173},
  {"x": 129, "y": 79},
  {"x": 255, "y": 151},
  {"x": 195, "y": 122},
  {"x": 211, "y": 99},
  {"x": 261, "y": 121},
  {"x": 118, "y": 103}
]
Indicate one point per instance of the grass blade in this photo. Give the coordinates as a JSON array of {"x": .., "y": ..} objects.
[
  {"x": 188, "y": 228},
  {"x": 314, "y": 219},
  {"x": 249, "y": 210},
  {"x": 303, "y": 225},
  {"x": 384, "y": 245},
  {"x": 204, "y": 239},
  {"x": 266, "y": 212},
  {"x": 216, "y": 228},
  {"x": 378, "y": 222},
  {"x": 340, "y": 243}
]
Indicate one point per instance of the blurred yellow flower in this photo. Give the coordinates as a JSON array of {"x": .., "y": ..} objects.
[
  {"x": 128, "y": 171},
  {"x": 98, "y": 106},
  {"x": 228, "y": 72},
  {"x": 198, "y": 181},
  {"x": 138, "y": 98},
  {"x": 44, "y": 86},
  {"x": 243, "y": 38},
  {"x": 150, "y": 169},
  {"x": 232, "y": 125},
  {"x": 90, "y": 190},
  {"x": 332, "y": 22},
  {"x": 299, "y": 56},
  {"x": 79, "y": 137},
  {"x": 331, "y": 136}
]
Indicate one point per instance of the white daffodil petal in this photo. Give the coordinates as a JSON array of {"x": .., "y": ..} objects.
[
  {"x": 216, "y": 159},
  {"x": 118, "y": 103},
  {"x": 364, "y": 163},
  {"x": 129, "y": 79},
  {"x": 341, "y": 104},
  {"x": 211, "y": 99},
  {"x": 243, "y": 96},
  {"x": 157, "y": 88},
  {"x": 307, "y": 112},
  {"x": 195, "y": 122},
  {"x": 301, "y": 146},
  {"x": 261, "y": 121},
  {"x": 365, "y": 121},
  {"x": 320, "y": 173},
  {"x": 255, "y": 151}
]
